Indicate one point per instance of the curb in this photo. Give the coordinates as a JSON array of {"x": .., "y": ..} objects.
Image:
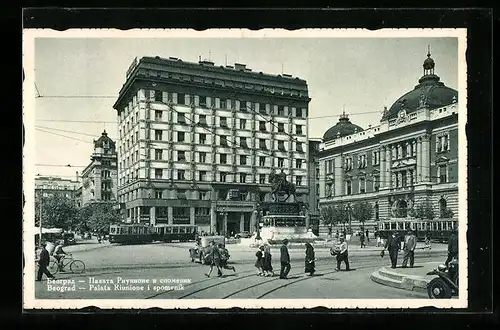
[{"x": 396, "y": 280}]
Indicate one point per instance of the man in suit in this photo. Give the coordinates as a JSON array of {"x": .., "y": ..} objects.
[
  {"x": 393, "y": 245},
  {"x": 285, "y": 260},
  {"x": 409, "y": 249},
  {"x": 343, "y": 254},
  {"x": 43, "y": 262},
  {"x": 452, "y": 247}
]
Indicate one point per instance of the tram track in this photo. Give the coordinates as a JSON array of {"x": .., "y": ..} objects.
[{"x": 264, "y": 281}]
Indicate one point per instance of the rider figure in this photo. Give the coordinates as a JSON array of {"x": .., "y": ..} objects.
[{"x": 59, "y": 254}]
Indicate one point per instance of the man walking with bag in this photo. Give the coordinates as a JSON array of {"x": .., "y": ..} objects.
[{"x": 409, "y": 249}]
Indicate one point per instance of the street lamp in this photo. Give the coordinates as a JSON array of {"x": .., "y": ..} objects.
[
  {"x": 258, "y": 214},
  {"x": 224, "y": 227}
]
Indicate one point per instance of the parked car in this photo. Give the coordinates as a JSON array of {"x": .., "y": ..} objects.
[
  {"x": 202, "y": 248},
  {"x": 243, "y": 234},
  {"x": 69, "y": 239}
]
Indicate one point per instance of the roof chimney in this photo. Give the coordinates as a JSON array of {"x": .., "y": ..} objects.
[
  {"x": 77, "y": 176},
  {"x": 239, "y": 66}
]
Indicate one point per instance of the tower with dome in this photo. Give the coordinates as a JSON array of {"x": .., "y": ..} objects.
[
  {"x": 99, "y": 178},
  {"x": 408, "y": 159}
]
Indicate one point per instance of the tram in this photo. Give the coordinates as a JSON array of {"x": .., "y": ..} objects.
[
  {"x": 437, "y": 230},
  {"x": 169, "y": 233},
  {"x": 275, "y": 228},
  {"x": 142, "y": 233}
]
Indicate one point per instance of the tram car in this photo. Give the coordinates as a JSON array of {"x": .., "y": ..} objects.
[
  {"x": 142, "y": 233},
  {"x": 275, "y": 228},
  {"x": 131, "y": 233},
  {"x": 437, "y": 230},
  {"x": 169, "y": 233}
]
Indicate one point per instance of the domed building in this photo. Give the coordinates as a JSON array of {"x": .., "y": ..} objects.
[
  {"x": 343, "y": 128},
  {"x": 405, "y": 163},
  {"x": 99, "y": 178}
]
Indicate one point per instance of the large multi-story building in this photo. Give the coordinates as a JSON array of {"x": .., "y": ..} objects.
[
  {"x": 198, "y": 142},
  {"x": 99, "y": 178},
  {"x": 410, "y": 158},
  {"x": 47, "y": 186}
]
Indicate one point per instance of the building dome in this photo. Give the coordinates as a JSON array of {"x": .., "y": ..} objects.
[
  {"x": 342, "y": 128},
  {"x": 104, "y": 142},
  {"x": 430, "y": 93}
]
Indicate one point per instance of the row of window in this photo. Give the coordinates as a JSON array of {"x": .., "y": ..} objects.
[
  {"x": 202, "y": 158},
  {"x": 330, "y": 186},
  {"x": 223, "y": 122},
  {"x": 203, "y": 176},
  {"x": 218, "y": 103},
  {"x": 400, "y": 179}
]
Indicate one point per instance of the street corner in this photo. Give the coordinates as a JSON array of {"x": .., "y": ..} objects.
[{"x": 406, "y": 278}]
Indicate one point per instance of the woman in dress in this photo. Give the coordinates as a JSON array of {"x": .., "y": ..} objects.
[
  {"x": 310, "y": 259},
  {"x": 267, "y": 266},
  {"x": 259, "y": 261}
]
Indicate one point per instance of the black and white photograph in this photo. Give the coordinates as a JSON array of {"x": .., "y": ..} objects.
[{"x": 238, "y": 168}]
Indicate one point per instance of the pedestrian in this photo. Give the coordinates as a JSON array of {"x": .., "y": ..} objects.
[
  {"x": 337, "y": 234},
  {"x": 343, "y": 254},
  {"x": 214, "y": 255},
  {"x": 393, "y": 245},
  {"x": 427, "y": 241},
  {"x": 310, "y": 259},
  {"x": 267, "y": 266},
  {"x": 258, "y": 263},
  {"x": 43, "y": 262},
  {"x": 367, "y": 236},
  {"x": 379, "y": 239},
  {"x": 284, "y": 259},
  {"x": 362, "y": 239},
  {"x": 224, "y": 257},
  {"x": 452, "y": 247},
  {"x": 409, "y": 249}
]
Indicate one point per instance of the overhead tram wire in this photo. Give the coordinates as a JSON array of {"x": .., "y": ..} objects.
[
  {"x": 57, "y": 165},
  {"x": 68, "y": 137}
]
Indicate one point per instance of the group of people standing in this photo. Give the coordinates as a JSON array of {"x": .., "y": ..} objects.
[{"x": 264, "y": 260}]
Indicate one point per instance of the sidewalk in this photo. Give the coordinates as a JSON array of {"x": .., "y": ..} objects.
[{"x": 411, "y": 279}]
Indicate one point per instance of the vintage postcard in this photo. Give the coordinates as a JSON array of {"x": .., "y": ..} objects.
[{"x": 237, "y": 168}]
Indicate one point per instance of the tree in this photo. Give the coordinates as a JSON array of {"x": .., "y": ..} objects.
[
  {"x": 327, "y": 217},
  {"x": 423, "y": 210},
  {"x": 447, "y": 213},
  {"x": 362, "y": 211},
  {"x": 57, "y": 212},
  {"x": 340, "y": 214},
  {"x": 97, "y": 217}
]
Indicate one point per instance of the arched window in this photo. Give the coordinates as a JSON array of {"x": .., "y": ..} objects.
[
  {"x": 442, "y": 207},
  {"x": 402, "y": 209}
]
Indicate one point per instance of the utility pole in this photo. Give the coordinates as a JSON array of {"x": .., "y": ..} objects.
[{"x": 40, "y": 219}]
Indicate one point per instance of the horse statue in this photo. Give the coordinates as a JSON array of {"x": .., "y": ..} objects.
[{"x": 279, "y": 184}]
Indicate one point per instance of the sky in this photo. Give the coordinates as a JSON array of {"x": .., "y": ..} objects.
[{"x": 358, "y": 75}]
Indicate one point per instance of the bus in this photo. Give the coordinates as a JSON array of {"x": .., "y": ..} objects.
[{"x": 438, "y": 230}]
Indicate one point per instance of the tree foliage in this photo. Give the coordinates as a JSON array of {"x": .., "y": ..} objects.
[
  {"x": 341, "y": 214},
  {"x": 97, "y": 217},
  {"x": 327, "y": 216},
  {"x": 362, "y": 211},
  {"x": 57, "y": 212},
  {"x": 423, "y": 210},
  {"x": 447, "y": 213}
]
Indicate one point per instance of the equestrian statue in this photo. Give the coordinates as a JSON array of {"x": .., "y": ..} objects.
[{"x": 280, "y": 185}]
